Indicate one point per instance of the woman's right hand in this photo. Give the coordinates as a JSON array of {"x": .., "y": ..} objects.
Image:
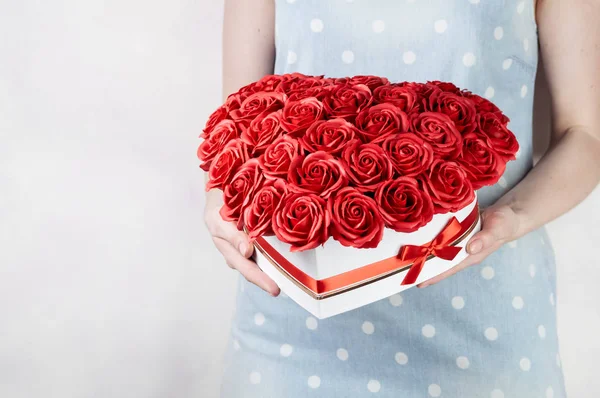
[{"x": 234, "y": 245}]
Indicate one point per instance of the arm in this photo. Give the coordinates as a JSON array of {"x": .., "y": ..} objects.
[
  {"x": 569, "y": 38},
  {"x": 248, "y": 55}
]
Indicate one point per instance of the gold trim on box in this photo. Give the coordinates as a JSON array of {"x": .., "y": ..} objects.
[{"x": 321, "y": 296}]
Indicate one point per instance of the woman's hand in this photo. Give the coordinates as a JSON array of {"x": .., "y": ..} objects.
[
  {"x": 500, "y": 224},
  {"x": 234, "y": 245}
]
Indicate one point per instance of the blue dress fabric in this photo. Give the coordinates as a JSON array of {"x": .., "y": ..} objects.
[{"x": 486, "y": 332}]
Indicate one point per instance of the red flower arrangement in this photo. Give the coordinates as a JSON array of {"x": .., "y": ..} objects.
[{"x": 306, "y": 158}]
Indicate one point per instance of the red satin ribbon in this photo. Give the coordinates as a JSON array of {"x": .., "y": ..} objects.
[
  {"x": 439, "y": 247},
  {"x": 374, "y": 270}
]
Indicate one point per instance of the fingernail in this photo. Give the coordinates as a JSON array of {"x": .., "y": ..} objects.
[
  {"x": 475, "y": 247},
  {"x": 243, "y": 248}
]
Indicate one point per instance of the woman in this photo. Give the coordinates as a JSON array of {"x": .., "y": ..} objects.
[{"x": 487, "y": 327}]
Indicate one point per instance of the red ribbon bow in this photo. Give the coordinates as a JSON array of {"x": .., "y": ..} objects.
[{"x": 439, "y": 247}]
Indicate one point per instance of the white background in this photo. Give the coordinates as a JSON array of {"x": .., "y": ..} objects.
[{"x": 109, "y": 285}]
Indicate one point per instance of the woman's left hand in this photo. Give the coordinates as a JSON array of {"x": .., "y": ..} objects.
[{"x": 499, "y": 225}]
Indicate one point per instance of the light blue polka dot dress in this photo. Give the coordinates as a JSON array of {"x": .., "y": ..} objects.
[{"x": 486, "y": 332}]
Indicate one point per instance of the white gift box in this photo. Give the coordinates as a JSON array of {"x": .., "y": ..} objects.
[{"x": 332, "y": 279}]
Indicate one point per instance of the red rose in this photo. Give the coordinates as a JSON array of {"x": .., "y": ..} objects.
[
  {"x": 263, "y": 131},
  {"x": 221, "y": 134},
  {"x": 259, "y": 214},
  {"x": 254, "y": 105},
  {"x": 491, "y": 128},
  {"x": 410, "y": 155},
  {"x": 483, "y": 105},
  {"x": 460, "y": 109},
  {"x": 444, "y": 86},
  {"x": 483, "y": 165},
  {"x": 403, "y": 205},
  {"x": 238, "y": 193},
  {"x": 438, "y": 130},
  {"x": 271, "y": 83},
  {"x": 226, "y": 163},
  {"x": 370, "y": 81},
  {"x": 299, "y": 115},
  {"x": 215, "y": 118},
  {"x": 301, "y": 221},
  {"x": 328, "y": 135},
  {"x": 404, "y": 97},
  {"x": 347, "y": 101},
  {"x": 355, "y": 219},
  {"x": 448, "y": 186},
  {"x": 278, "y": 157},
  {"x": 318, "y": 173},
  {"x": 376, "y": 123},
  {"x": 368, "y": 165},
  {"x": 233, "y": 102},
  {"x": 294, "y": 86}
]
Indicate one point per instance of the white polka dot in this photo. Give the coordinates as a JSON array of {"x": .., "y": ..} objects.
[
  {"x": 542, "y": 331},
  {"x": 502, "y": 182},
  {"x": 286, "y": 350},
  {"x": 342, "y": 354},
  {"x": 440, "y": 26},
  {"x": 521, "y": 7},
  {"x": 401, "y": 358},
  {"x": 498, "y": 32},
  {"x": 347, "y": 57},
  {"x": 428, "y": 330},
  {"x": 525, "y": 364},
  {"x": 506, "y": 63},
  {"x": 368, "y": 327},
  {"x": 458, "y": 302},
  {"x": 487, "y": 272},
  {"x": 311, "y": 323},
  {"x": 517, "y": 302},
  {"x": 255, "y": 377},
  {"x": 532, "y": 270},
  {"x": 549, "y": 392},
  {"x": 291, "y": 57},
  {"x": 314, "y": 381},
  {"x": 523, "y": 91},
  {"x": 259, "y": 318},
  {"x": 526, "y": 44},
  {"x": 409, "y": 57},
  {"x": 558, "y": 360},
  {"x": 491, "y": 333},
  {"x": 512, "y": 244},
  {"x": 316, "y": 25},
  {"x": 469, "y": 59},
  {"x": 236, "y": 345},
  {"x": 474, "y": 1},
  {"x": 378, "y": 26},
  {"x": 291, "y": 1},
  {"x": 374, "y": 385},
  {"x": 489, "y": 92},
  {"x": 552, "y": 299},
  {"x": 434, "y": 390},
  {"x": 496, "y": 394},
  {"x": 396, "y": 300},
  {"x": 462, "y": 362}
]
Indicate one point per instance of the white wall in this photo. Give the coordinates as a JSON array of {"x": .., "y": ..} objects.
[{"x": 109, "y": 286}]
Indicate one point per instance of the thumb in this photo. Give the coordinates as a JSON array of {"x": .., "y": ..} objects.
[
  {"x": 497, "y": 228},
  {"x": 236, "y": 238}
]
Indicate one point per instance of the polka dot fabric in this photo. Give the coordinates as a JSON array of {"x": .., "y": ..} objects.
[{"x": 488, "y": 331}]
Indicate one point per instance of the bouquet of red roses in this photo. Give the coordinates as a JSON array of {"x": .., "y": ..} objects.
[{"x": 307, "y": 158}]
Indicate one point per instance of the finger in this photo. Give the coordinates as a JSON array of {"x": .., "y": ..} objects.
[
  {"x": 495, "y": 229},
  {"x": 246, "y": 267},
  {"x": 236, "y": 238}
]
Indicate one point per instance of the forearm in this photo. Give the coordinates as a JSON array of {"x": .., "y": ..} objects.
[{"x": 564, "y": 176}]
